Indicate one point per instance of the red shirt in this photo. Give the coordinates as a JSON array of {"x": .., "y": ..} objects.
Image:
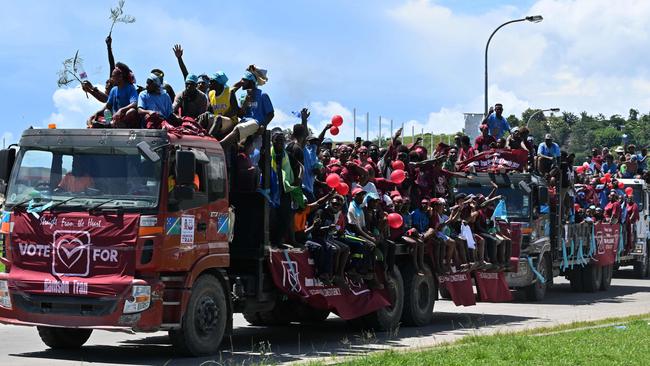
[
  {"x": 613, "y": 210},
  {"x": 482, "y": 143},
  {"x": 464, "y": 154}
]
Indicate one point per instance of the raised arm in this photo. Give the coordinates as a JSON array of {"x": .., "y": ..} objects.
[
  {"x": 111, "y": 59},
  {"x": 178, "y": 52}
]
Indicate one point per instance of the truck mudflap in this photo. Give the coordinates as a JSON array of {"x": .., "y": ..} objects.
[
  {"x": 491, "y": 287},
  {"x": 293, "y": 274}
]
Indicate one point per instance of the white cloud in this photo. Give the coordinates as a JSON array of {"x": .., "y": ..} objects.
[{"x": 72, "y": 108}]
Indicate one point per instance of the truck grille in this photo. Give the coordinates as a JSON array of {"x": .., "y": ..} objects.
[{"x": 64, "y": 305}]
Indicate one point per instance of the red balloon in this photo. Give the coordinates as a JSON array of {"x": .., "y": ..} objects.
[
  {"x": 629, "y": 191},
  {"x": 603, "y": 180},
  {"x": 333, "y": 180},
  {"x": 337, "y": 121},
  {"x": 585, "y": 165},
  {"x": 621, "y": 185},
  {"x": 395, "y": 220},
  {"x": 342, "y": 188},
  {"x": 397, "y": 176},
  {"x": 397, "y": 165},
  {"x": 334, "y": 130},
  {"x": 580, "y": 169},
  {"x": 608, "y": 176}
]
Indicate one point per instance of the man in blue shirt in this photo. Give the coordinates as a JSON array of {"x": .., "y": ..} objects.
[
  {"x": 256, "y": 104},
  {"x": 547, "y": 154},
  {"x": 154, "y": 100},
  {"x": 497, "y": 124},
  {"x": 122, "y": 100},
  {"x": 609, "y": 166}
]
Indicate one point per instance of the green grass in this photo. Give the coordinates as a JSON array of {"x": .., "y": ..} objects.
[{"x": 586, "y": 343}]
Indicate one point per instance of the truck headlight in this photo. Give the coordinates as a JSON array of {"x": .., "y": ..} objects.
[
  {"x": 533, "y": 235},
  {"x": 5, "y": 297},
  {"x": 139, "y": 300}
]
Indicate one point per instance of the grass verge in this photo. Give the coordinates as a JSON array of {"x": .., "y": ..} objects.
[{"x": 616, "y": 341}]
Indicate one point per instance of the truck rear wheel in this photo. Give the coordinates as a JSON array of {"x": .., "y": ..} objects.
[
  {"x": 608, "y": 273},
  {"x": 281, "y": 314},
  {"x": 537, "y": 291},
  {"x": 575, "y": 278},
  {"x": 64, "y": 338},
  {"x": 592, "y": 276},
  {"x": 419, "y": 294},
  {"x": 388, "y": 318},
  {"x": 204, "y": 321}
]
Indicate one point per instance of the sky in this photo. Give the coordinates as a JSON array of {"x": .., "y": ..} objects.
[{"x": 419, "y": 63}]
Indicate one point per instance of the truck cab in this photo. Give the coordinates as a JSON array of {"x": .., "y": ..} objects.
[{"x": 638, "y": 255}]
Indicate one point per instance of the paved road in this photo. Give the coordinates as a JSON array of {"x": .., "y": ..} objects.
[{"x": 22, "y": 346}]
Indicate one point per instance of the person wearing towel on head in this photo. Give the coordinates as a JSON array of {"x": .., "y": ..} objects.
[{"x": 154, "y": 99}]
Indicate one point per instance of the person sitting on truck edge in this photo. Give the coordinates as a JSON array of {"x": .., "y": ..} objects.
[
  {"x": 547, "y": 155},
  {"x": 609, "y": 166},
  {"x": 612, "y": 210},
  {"x": 515, "y": 140},
  {"x": 329, "y": 226},
  {"x": 122, "y": 100},
  {"x": 497, "y": 124},
  {"x": 484, "y": 140},
  {"x": 300, "y": 227},
  {"x": 223, "y": 100},
  {"x": 363, "y": 246},
  {"x": 191, "y": 102},
  {"x": 78, "y": 179},
  {"x": 256, "y": 105},
  {"x": 168, "y": 88},
  {"x": 154, "y": 100},
  {"x": 377, "y": 225}
]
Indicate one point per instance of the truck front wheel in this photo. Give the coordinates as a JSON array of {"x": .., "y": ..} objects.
[
  {"x": 537, "y": 291},
  {"x": 64, "y": 338},
  {"x": 204, "y": 322}
]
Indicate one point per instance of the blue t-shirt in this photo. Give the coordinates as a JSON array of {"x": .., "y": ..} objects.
[
  {"x": 121, "y": 97},
  {"x": 420, "y": 220},
  {"x": 607, "y": 168},
  {"x": 160, "y": 103},
  {"x": 259, "y": 108},
  {"x": 497, "y": 126},
  {"x": 643, "y": 164},
  {"x": 553, "y": 150}
]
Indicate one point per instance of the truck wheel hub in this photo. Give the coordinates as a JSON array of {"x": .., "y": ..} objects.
[{"x": 206, "y": 314}]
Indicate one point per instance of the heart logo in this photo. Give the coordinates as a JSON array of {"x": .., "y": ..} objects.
[{"x": 72, "y": 251}]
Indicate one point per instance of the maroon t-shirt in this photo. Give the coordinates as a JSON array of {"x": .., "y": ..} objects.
[{"x": 482, "y": 143}]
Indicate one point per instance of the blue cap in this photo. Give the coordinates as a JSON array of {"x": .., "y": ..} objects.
[
  {"x": 220, "y": 77},
  {"x": 191, "y": 78},
  {"x": 327, "y": 140},
  {"x": 249, "y": 76}
]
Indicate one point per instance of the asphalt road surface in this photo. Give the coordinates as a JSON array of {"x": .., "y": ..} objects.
[{"x": 260, "y": 345}]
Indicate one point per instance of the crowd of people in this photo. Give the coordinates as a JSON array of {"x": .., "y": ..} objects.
[{"x": 351, "y": 203}]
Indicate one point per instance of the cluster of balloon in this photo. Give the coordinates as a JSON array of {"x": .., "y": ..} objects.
[
  {"x": 333, "y": 180},
  {"x": 337, "y": 121},
  {"x": 395, "y": 220},
  {"x": 629, "y": 191},
  {"x": 342, "y": 188},
  {"x": 397, "y": 176}
]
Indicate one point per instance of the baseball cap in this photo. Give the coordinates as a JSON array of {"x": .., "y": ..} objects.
[
  {"x": 548, "y": 137},
  {"x": 191, "y": 78},
  {"x": 327, "y": 140}
]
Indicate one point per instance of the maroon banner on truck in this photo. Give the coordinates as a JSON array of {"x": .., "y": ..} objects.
[
  {"x": 607, "y": 238},
  {"x": 492, "y": 287},
  {"x": 459, "y": 286},
  {"x": 496, "y": 159},
  {"x": 73, "y": 253},
  {"x": 293, "y": 273}
]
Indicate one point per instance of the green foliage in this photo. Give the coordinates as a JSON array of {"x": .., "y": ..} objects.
[{"x": 118, "y": 16}]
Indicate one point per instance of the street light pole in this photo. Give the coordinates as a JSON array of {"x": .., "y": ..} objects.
[
  {"x": 541, "y": 111},
  {"x": 533, "y": 19}
]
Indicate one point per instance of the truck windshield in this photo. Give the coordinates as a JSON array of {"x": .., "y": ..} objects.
[
  {"x": 84, "y": 177},
  {"x": 517, "y": 201}
]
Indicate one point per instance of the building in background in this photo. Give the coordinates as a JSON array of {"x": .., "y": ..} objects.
[{"x": 472, "y": 120}]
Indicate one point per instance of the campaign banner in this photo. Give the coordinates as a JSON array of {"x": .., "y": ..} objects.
[
  {"x": 73, "y": 253},
  {"x": 492, "y": 287},
  {"x": 607, "y": 238},
  {"x": 494, "y": 160},
  {"x": 459, "y": 286},
  {"x": 293, "y": 273}
]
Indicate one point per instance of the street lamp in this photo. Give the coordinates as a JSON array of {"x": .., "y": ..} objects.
[
  {"x": 532, "y": 19},
  {"x": 541, "y": 111}
]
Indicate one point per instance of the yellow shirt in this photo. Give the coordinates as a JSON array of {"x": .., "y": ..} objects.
[{"x": 220, "y": 103}]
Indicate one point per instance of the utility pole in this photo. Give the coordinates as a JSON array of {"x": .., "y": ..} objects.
[
  {"x": 354, "y": 123},
  {"x": 367, "y": 126},
  {"x": 379, "y": 138}
]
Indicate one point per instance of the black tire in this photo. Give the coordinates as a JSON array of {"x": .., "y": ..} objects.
[
  {"x": 388, "y": 318},
  {"x": 305, "y": 314},
  {"x": 642, "y": 268},
  {"x": 253, "y": 318},
  {"x": 537, "y": 290},
  {"x": 64, "y": 338},
  {"x": 204, "y": 322},
  {"x": 575, "y": 278},
  {"x": 282, "y": 313},
  {"x": 608, "y": 273},
  {"x": 592, "y": 276},
  {"x": 419, "y": 296}
]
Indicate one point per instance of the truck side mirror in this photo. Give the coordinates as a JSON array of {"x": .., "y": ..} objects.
[
  {"x": 185, "y": 168},
  {"x": 146, "y": 151},
  {"x": 7, "y": 159}
]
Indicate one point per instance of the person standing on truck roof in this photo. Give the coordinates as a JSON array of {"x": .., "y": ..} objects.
[
  {"x": 191, "y": 102},
  {"x": 122, "y": 100},
  {"x": 154, "y": 100},
  {"x": 497, "y": 124},
  {"x": 484, "y": 140}
]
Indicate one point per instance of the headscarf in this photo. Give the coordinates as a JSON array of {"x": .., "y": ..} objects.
[{"x": 220, "y": 77}]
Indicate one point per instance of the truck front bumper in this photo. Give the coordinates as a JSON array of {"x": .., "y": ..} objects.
[{"x": 522, "y": 278}]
